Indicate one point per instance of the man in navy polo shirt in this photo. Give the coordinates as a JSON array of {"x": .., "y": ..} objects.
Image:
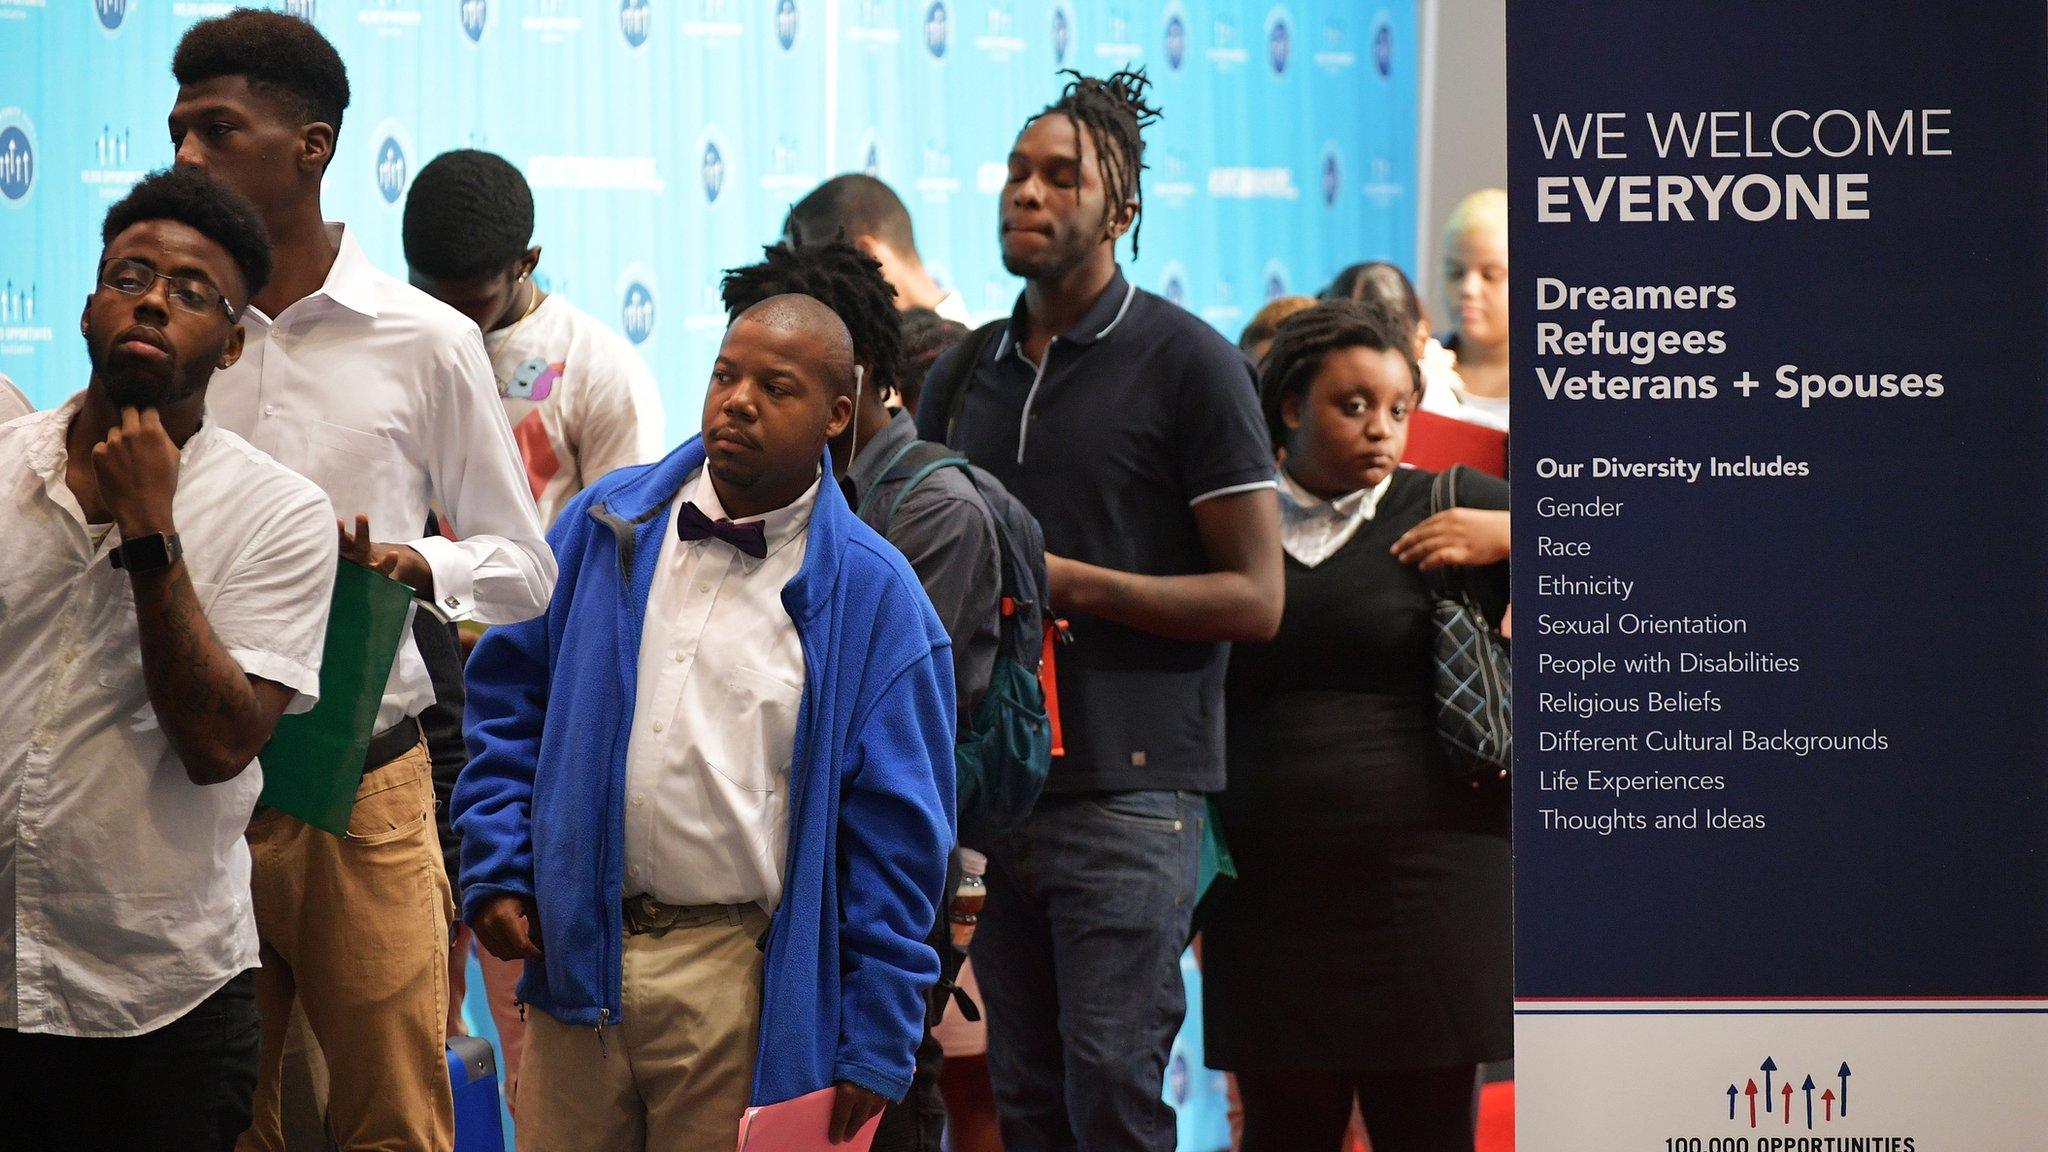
[{"x": 1132, "y": 431}]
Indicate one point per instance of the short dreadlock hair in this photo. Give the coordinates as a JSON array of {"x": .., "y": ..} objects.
[
  {"x": 1307, "y": 337},
  {"x": 844, "y": 279},
  {"x": 468, "y": 213},
  {"x": 1116, "y": 113},
  {"x": 209, "y": 208},
  {"x": 926, "y": 337},
  {"x": 281, "y": 56}
]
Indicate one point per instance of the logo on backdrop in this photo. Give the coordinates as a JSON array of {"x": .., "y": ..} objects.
[
  {"x": 111, "y": 13},
  {"x": 1383, "y": 47},
  {"x": 1276, "y": 280},
  {"x": 635, "y": 18},
  {"x": 1062, "y": 32},
  {"x": 1332, "y": 172},
  {"x": 390, "y": 165},
  {"x": 785, "y": 23},
  {"x": 871, "y": 153},
  {"x": 1227, "y": 52},
  {"x": 1279, "y": 40},
  {"x": 635, "y": 306},
  {"x": 475, "y": 16},
  {"x": 17, "y": 156},
  {"x": 303, "y": 9},
  {"x": 1176, "y": 36},
  {"x": 937, "y": 29},
  {"x": 110, "y": 171},
  {"x": 1797, "y": 1099},
  {"x": 1382, "y": 189},
  {"x": 1173, "y": 283},
  {"x": 714, "y": 168}
]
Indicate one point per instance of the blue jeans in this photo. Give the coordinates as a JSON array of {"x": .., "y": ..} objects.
[{"x": 1078, "y": 956}]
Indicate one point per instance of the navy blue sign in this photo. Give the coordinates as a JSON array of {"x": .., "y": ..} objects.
[{"x": 1780, "y": 468}]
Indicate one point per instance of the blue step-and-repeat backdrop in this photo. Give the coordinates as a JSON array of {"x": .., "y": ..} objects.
[{"x": 666, "y": 138}]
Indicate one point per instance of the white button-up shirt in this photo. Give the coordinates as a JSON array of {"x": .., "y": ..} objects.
[
  {"x": 124, "y": 887},
  {"x": 383, "y": 396},
  {"x": 13, "y": 404},
  {"x": 714, "y": 716}
]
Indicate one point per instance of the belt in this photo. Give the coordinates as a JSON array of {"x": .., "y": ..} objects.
[
  {"x": 392, "y": 743},
  {"x": 645, "y": 914}
]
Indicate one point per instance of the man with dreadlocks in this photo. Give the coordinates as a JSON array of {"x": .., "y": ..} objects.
[{"x": 1133, "y": 431}]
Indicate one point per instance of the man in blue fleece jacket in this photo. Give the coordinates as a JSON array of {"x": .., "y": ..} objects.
[{"x": 710, "y": 794}]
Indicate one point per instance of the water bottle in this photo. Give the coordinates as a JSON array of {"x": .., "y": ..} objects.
[{"x": 965, "y": 911}]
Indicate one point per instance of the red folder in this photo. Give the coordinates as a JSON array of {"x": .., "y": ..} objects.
[
  {"x": 1436, "y": 442},
  {"x": 800, "y": 1125}
]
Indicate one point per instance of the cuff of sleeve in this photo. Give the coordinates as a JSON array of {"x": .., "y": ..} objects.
[
  {"x": 454, "y": 580},
  {"x": 303, "y": 681},
  {"x": 475, "y": 895},
  {"x": 874, "y": 1080},
  {"x": 1234, "y": 489}
]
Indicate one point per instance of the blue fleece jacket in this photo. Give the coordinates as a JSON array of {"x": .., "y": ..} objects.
[{"x": 541, "y": 807}]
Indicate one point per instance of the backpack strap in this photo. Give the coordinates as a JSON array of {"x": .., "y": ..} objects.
[
  {"x": 913, "y": 480},
  {"x": 951, "y": 392},
  {"x": 868, "y": 495}
]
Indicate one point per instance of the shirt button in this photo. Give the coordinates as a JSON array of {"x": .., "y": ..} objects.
[
  {"x": 639, "y": 801},
  {"x": 69, "y": 656},
  {"x": 270, "y": 409},
  {"x": 42, "y": 739},
  {"x": 703, "y": 589},
  {"x": 657, "y": 726},
  {"x": 633, "y": 871}
]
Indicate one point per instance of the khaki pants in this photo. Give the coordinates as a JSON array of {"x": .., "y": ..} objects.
[
  {"x": 674, "y": 1074},
  {"x": 356, "y": 930}
]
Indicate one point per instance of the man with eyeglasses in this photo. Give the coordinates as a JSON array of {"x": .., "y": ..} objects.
[
  {"x": 383, "y": 397},
  {"x": 163, "y": 600}
]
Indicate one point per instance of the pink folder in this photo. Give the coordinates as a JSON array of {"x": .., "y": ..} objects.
[{"x": 800, "y": 1125}]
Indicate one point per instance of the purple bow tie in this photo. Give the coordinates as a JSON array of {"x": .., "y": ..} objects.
[{"x": 693, "y": 524}]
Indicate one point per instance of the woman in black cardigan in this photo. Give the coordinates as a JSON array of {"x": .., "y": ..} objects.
[{"x": 1366, "y": 950}]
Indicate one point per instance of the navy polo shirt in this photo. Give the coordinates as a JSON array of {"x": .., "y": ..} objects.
[{"x": 1139, "y": 412}]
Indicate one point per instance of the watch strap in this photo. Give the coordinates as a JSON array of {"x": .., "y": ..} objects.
[{"x": 151, "y": 553}]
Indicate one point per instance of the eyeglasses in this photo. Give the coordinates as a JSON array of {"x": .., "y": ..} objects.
[{"x": 196, "y": 296}]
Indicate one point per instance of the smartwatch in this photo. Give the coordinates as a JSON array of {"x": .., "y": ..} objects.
[{"x": 152, "y": 553}]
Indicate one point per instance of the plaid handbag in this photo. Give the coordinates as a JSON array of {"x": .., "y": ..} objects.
[{"x": 1472, "y": 674}]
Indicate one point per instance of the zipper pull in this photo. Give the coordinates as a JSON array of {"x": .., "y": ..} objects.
[{"x": 604, "y": 1016}]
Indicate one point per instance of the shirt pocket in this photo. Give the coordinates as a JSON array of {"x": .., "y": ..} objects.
[
  {"x": 352, "y": 444},
  {"x": 758, "y": 737}
]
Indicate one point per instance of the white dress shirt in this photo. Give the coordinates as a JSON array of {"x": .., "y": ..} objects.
[
  {"x": 714, "y": 716},
  {"x": 124, "y": 887},
  {"x": 1312, "y": 528},
  {"x": 12, "y": 403},
  {"x": 580, "y": 400},
  {"x": 383, "y": 396},
  {"x": 953, "y": 306}
]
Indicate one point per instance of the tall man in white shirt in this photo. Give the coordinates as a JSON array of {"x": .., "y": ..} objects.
[
  {"x": 163, "y": 600},
  {"x": 383, "y": 397}
]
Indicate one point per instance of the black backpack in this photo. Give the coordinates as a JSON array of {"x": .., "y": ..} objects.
[{"x": 1002, "y": 760}]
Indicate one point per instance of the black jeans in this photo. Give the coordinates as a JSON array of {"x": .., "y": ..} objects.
[{"x": 182, "y": 1088}]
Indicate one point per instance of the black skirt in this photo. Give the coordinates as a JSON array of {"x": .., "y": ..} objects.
[{"x": 1370, "y": 928}]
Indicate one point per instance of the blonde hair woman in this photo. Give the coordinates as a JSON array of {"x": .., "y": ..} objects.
[{"x": 1475, "y": 301}]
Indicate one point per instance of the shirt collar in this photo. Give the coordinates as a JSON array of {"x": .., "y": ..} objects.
[
  {"x": 1100, "y": 320},
  {"x": 778, "y": 527},
  {"x": 866, "y": 471},
  {"x": 351, "y": 280},
  {"x": 1300, "y": 503},
  {"x": 48, "y": 453}
]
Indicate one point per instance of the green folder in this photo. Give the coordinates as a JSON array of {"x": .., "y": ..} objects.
[
  {"x": 1217, "y": 871},
  {"x": 314, "y": 761}
]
